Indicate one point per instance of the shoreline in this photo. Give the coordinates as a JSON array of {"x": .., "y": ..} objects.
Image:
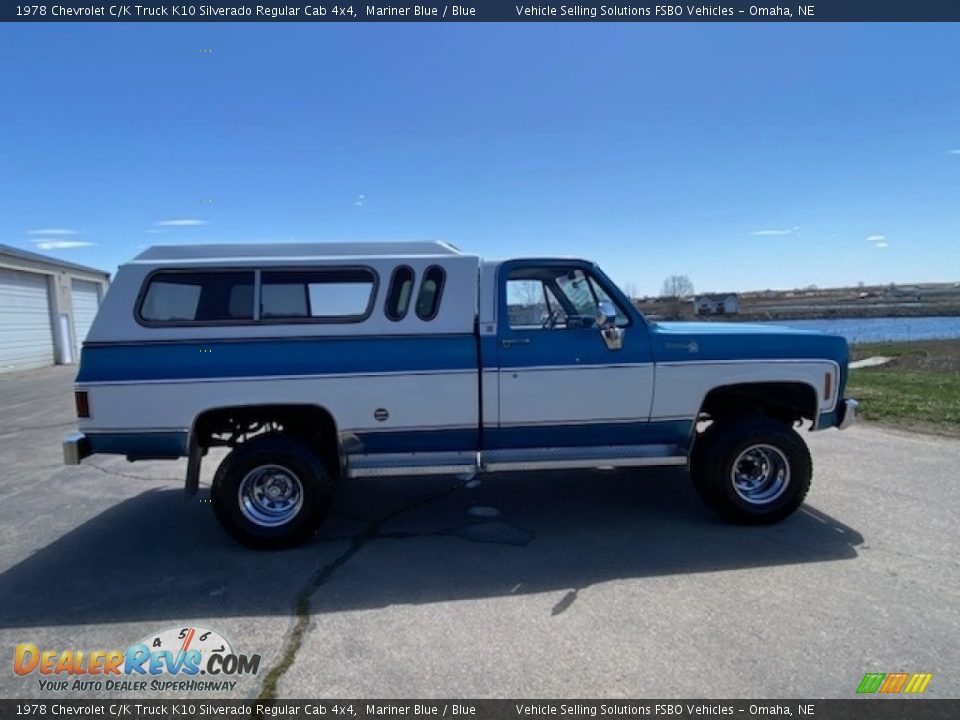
[{"x": 839, "y": 313}]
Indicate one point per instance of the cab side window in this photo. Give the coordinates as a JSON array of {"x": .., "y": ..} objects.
[
  {"x": 529, "y": 303},
  {"x": 555, "y": 298}
]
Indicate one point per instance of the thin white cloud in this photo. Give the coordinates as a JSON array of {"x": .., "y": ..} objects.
[
  {"x": 62, "y": 244},
  {"x": 155, "y": 232},
  {"x": 876, "y": 238},
  {"x": 953, "y": 152},
  {"x": 361, "y": 199},
  {"x": 52, "y": 231},
  {"x": 184, "y": 222},
  {"x": 771, "y": 233},
  {"x": 881, "y": 245}
]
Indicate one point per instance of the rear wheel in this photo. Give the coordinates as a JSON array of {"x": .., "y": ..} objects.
[
  {"x": 271, "y": 492},
  {"x": 751, "y": 471}
]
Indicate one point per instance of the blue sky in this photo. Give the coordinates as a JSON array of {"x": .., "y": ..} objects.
[{"x": 744, "y": 156}]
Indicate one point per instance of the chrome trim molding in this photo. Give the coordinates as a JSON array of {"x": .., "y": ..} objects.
[{"x": 261, "y": 378}]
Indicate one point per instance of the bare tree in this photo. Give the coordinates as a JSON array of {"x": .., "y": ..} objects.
[
  {"x": 630, "y": 290},
  {"x": 675, "y": 289}
]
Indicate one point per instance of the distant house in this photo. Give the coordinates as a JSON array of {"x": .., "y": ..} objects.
[{"x": 721, "y": 305}]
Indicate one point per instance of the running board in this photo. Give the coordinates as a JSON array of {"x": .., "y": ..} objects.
[
  {"x": 393, "y": 464},
  {"x": 548, "y": 458},
  {"x": 562, "y": 458}
]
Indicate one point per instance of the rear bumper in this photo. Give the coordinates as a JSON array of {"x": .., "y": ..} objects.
[
  {"x": 849, "y": 413},
  {"x": 76, "y": 447}
]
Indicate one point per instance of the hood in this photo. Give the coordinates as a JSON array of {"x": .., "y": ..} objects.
[{"x": 724, "y": 341}]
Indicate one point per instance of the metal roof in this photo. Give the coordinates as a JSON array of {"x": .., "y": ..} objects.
[
  {"x": 167, "y": 253},
  {"x": 47, "y": 260}
]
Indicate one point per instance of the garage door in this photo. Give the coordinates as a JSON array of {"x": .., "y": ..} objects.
[
  {"x": 26, "y": 338},
  {"x": 86, "y": 299}
]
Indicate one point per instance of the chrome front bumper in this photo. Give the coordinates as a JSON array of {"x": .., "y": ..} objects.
[
  {"x": 849, "y": 413},
  {"x": 75, "y": 448}
]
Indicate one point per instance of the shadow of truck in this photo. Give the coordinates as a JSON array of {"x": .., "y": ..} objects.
[{"x": 155, "y": 557}]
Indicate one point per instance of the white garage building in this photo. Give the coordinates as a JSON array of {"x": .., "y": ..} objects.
[{"x": 46, "y": 308}]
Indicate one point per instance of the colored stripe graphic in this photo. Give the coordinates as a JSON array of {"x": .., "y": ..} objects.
[
  {"x": 918, "y": 683},
  {"x": 871, "y": 682},
  {"x": 894, "y": 682}
]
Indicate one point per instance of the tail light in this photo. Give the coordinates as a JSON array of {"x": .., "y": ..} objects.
[
  {"x": 83, "y": 403},
  {"x": 827, "y": 385}
]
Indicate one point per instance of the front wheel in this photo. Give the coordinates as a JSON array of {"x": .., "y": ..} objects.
[
  {"x": 751, "y": 471},
  {"x": 271, "y": 492}
]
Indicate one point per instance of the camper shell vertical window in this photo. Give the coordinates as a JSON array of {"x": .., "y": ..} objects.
[
  {"x": 399, "y": 293},
  {"x": 431, "y": 290}
]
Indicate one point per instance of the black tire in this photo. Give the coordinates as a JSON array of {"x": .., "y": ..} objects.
[
  {"x": 774, "y": 466},
  {"x": 265, "y": 464}
]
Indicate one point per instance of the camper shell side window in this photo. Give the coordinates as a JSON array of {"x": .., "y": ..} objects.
[{"x": 172, "y": 298}]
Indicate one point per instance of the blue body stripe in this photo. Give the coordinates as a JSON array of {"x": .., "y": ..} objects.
[
  {"x": 318, "y": 356},
  {"x": 285, "y": 356},
  {"x": 597, "y": 434}
]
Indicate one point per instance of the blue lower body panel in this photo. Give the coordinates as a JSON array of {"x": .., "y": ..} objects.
[
  {"x": 167, "y": 444},
  {"x": 668, "y": 432}
]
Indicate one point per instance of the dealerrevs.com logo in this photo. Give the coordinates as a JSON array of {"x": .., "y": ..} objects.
[{"x": 178, "y": 659}]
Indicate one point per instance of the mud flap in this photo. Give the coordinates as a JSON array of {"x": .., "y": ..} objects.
[{"x": 194, "y": 455}]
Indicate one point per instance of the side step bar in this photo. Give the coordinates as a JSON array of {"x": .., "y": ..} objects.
[
  {"x": 390, "y": 464},
  {"x": 524, "y": 459},
  {"x": 611, "y": 456}
]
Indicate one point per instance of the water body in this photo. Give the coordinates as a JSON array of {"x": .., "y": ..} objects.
[{"x": 863, "y": 330}]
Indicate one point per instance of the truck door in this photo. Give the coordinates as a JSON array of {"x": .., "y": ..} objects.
[{"x": 563, "y": 382}]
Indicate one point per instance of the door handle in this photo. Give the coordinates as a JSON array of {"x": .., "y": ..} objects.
[{"x": 517, "y": 341}]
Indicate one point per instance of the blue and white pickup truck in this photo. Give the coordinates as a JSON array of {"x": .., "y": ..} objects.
[{"x": 316, "y": 363}]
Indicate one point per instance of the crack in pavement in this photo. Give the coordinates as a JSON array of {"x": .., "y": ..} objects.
[
  {"x": 372, "y": 531},
  {"x": 301, "y": 606}
]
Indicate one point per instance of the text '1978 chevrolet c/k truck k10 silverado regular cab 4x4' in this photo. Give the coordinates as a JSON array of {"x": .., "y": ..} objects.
[{"x": 316, "y": 363}]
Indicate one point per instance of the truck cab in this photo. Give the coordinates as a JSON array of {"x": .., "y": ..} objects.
[{"x": 318, "y": 363}]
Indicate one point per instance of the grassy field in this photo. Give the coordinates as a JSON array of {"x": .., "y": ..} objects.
[{"x": 918, "y": 389}]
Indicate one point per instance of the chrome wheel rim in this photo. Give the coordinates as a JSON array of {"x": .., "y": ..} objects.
[
  {"x": 270, "y": 495},
  {"x": 760, "y": 474}
]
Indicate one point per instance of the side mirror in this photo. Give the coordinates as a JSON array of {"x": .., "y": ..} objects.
[{"x": 606, "y": 314}]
